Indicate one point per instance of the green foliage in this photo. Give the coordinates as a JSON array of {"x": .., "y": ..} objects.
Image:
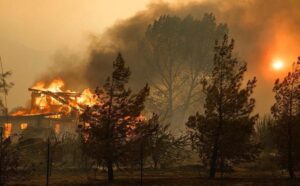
[
  {"x": 223, "y": 134},
  {"x": 286, "y": 112}
]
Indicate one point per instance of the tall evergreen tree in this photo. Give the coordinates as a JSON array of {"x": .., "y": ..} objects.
[
  {"x": 110, "y": 124},
  {"x": 286, "y": 112},
  {"x": 222, "y": 134}
]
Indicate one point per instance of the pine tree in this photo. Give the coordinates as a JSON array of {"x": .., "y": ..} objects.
[
  {"x": 110, "y": 124},
  {"x": 222, "y": 134},
  {"x": 286, "y": 112}
]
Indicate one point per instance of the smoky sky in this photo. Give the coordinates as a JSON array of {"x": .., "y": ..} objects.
[{"x": 263, "y": 30}]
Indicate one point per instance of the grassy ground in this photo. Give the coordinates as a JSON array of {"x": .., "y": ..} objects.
[{"x": 158, "y": 178}]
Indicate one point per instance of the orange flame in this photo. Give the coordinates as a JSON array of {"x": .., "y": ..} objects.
[
  {"x": 7, "y": 129},
  {"x": 44, "y": 101},
  {"x": 87, "y": 98},
  {"x": 23, "y": 126}
]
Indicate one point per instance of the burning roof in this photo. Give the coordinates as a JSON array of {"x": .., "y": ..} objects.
[{"x": 53, "y": 98}]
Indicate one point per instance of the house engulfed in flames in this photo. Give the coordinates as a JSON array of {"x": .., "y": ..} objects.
[{"x": 51, "y": 109}]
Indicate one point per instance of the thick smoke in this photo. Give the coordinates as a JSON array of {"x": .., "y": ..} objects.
[{"x": 263, "y": 30}]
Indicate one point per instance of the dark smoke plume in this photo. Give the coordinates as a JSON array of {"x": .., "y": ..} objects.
[{"x": 263, "y": 29}]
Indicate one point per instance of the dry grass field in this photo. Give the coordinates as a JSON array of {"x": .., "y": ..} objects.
[{"x": 157, "y": 178}]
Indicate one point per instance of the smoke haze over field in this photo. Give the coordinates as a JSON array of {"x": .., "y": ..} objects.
[{"x": 263, "y": 30}]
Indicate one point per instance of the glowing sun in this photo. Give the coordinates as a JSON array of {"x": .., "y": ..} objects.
[{"x": 278, "y": 64}]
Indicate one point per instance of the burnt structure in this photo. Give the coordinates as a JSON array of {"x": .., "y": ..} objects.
[{"x": 48, "y": 117}]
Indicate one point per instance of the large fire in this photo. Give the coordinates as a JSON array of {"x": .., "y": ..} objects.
[{"x": 52, "y": 98}]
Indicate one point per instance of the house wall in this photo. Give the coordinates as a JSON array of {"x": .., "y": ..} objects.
[{"x": 16, "y": 125}]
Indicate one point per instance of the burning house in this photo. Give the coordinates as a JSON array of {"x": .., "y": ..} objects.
[{"x": 52, "y": 109}]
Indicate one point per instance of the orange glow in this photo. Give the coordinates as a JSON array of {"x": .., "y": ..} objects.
[
  {"x": 53, "y": 98},
  {"x": 87, "y": 98},
  {"x": 57, "y": 128},
  {"x": 279, "y": 52},
  {"x": 46, "y": 96},
  {"x": 41, "y": 102},
  {"x": 55, "y": 85},
  {"x": 23, "y": 126},
  {"x": 19, "y": 113},
  {"x": 278, "y": 64},
  {"x": 7, "y": 129}
]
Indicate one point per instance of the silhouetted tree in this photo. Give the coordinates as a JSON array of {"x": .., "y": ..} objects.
[
  {"x": 140, "y": 142},
  {"x": 69, "y": 151},
  {"x": 109, "y": 125},
  {"x": 10, "y": 161},
  {"x": 266, "y": 160},
  {"x": 263, "y": 133},
  {"x": 8, "y": 164},
  {"x": 157, "y": 145},
  {"x": 164, "y": 149},
  {"x": 223, "y": 133},
  {"x": 177, "y": 52},
  {"x": 286, "y": 112},
  {"x": 4, "y": 88}
]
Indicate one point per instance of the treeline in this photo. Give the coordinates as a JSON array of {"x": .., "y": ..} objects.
[
  {"x": 172, "y": 55},
  {"x": 116, "y": 133}
]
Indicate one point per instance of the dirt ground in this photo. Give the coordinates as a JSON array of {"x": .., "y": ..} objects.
[{"x": 157, "y": 178}]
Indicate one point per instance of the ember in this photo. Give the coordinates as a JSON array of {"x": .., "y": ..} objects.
[
  {"x": 7, "y": 129},
  {"x": 23, "y": 126}
]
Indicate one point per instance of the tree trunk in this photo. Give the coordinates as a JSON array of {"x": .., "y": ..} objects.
[
  {"x": 187, "y": 102},
  {"x": 213, "y": 163},
  {"x": 290, "y": 156},
  {"x": 222, "y": 167},
  {"x": 214, "y": 156},
  {"x": 155, "y": 164},
  {"x": 170, "y": 104},
  {"x": 171, "y": 86},
  {"x": 109, "y": 135},
  {"x": 110, "y": 171},
  {"x": 216, "y": 147}
]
